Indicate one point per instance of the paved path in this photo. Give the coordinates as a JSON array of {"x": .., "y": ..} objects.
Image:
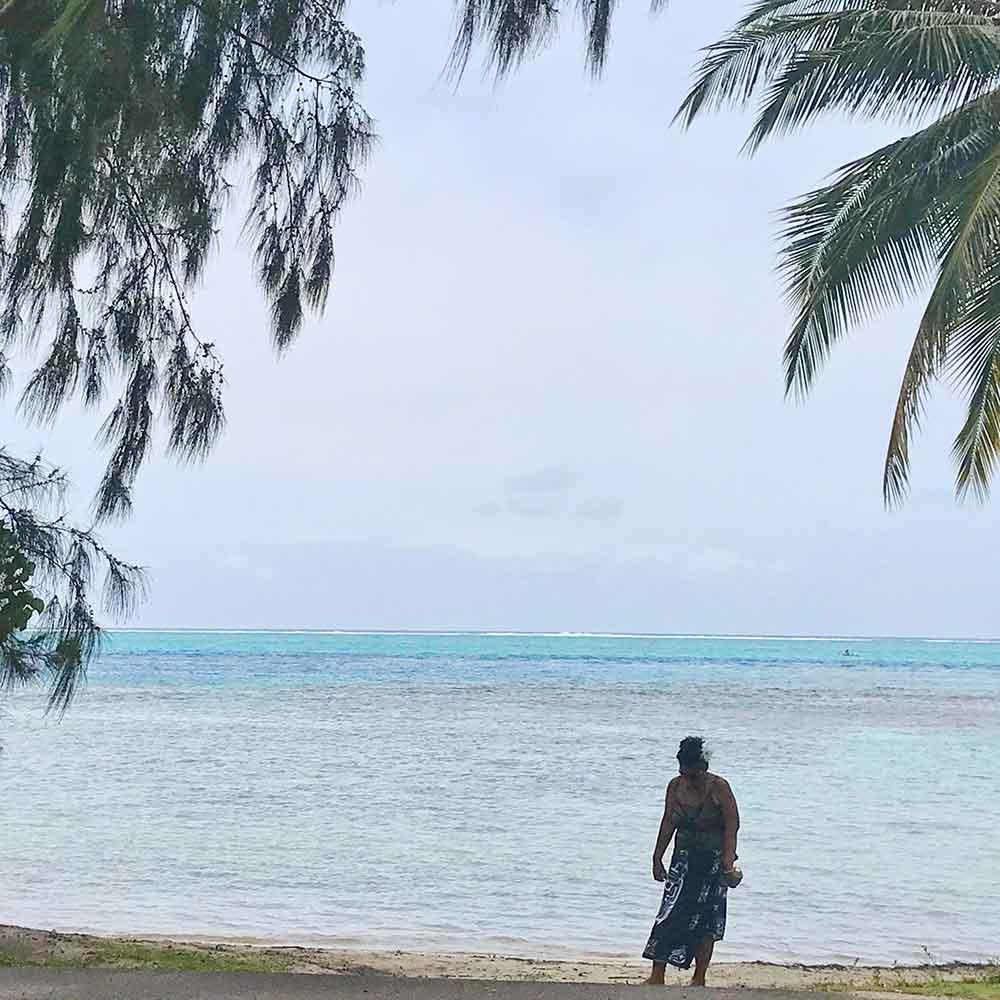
[{"x": 104, "y": 984}]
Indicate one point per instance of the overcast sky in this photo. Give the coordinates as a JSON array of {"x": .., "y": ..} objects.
[{"x": 546, "y": 394}]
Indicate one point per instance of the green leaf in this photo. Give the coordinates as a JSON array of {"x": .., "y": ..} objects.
[
  {"x": 966, "y": 273},
  {"x": 875, "y": 235},
  {"x": 884, "y": 64}
]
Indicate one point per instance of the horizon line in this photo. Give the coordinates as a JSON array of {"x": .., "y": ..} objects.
[{"x": 566, "y": 634}]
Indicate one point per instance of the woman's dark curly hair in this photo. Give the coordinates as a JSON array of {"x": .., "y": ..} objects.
[{"x": 693, "y": 753}]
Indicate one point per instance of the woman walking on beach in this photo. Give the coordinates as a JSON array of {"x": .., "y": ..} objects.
[{"x": 701, "y": 810}]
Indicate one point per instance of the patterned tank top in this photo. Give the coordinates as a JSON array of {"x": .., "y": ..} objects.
[{"x": 699, "y": 826}]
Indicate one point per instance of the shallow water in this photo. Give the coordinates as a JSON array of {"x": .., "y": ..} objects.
[{"x": 495, "y": 792}]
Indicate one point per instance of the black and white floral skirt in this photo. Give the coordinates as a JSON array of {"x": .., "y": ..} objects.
[{"x": 693, "y": 907}]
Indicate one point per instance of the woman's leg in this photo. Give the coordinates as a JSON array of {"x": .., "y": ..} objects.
[
  {"x": 702, "y": 958},
  {"x": 656, "y": 976}
]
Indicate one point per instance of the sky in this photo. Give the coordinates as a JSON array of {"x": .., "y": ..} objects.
[{"x": 546, "y": 393}]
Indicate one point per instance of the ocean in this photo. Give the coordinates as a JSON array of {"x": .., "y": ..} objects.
[{"x": 501, "y": 793}]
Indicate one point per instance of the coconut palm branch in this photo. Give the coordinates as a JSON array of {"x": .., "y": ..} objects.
[{"x": 924, "y": 210}]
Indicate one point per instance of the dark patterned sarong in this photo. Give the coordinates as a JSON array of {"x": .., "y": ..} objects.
[{"x": 693, "y": 907}]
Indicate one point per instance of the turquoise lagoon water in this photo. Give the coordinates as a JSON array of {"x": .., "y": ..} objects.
[{"x": 502, "y": 792}]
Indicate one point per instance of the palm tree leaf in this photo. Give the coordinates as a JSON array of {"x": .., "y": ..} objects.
[
  {"x": 976, "y": 367},
  {"x": 978, "y": 443},
  {"x": 967, "y": 265},
  {"x": 925, "y": 206},
  {"x": 765, "y": 9},
  {"x": 925, "y": 360},
  {"x": 884, "y": 64},
  {"x": 875, "y": 234},
  {"x": 71, "y": 19},
  {"x": 733, "y": 67},
  {"x": 774, "y": 35}
]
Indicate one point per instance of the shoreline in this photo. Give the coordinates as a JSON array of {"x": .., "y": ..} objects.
[{"x": 26, "y": 947}]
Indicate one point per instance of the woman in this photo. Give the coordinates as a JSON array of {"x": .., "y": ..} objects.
[{"x": 701, "y": 810}]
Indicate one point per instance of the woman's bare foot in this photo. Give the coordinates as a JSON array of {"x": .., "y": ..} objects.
[
  {"x": 656, "y": 975},
  {"x": 702, "y": 960}
]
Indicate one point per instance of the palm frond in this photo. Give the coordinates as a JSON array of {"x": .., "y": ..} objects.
[
  {"x": 765, "y": 10},
  {"x": 888, "y": 58},
  {"x": 885, "y": 64},
  {"x": 924, "y": 208},
  {"x": 923, "y": 365},
  {"x": 878, "y": 232},
  {"x": 974, "y": 365},
  {"x": 751, "y": 53},
  {"x": 977, "y": 445},
  {"x": 967, "y": 264}
]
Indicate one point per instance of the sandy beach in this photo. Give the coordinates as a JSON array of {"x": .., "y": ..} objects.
[{"x": 35, "y": 955}]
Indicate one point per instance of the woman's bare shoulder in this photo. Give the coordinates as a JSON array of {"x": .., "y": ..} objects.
[{"x": 719, "y": 785}]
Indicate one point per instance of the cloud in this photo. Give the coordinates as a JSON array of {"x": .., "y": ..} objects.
[
  {"x": 552, "y": 352},
  {"x": 600, "y": 510},
  {"x": 551, "y": 479}
]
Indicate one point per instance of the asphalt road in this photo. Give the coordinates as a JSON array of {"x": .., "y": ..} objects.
[{"x": 104, "y": 984}]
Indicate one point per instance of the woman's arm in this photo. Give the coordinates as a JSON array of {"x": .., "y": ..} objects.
[
  {"x": 731, "y": 818},
  {"x": 665, "y": 835}
]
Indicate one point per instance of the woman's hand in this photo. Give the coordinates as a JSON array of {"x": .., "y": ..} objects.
[{"x": 659, "y": 872}]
